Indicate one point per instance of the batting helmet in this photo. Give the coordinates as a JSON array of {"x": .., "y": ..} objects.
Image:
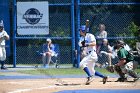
[
  {"x": 83, "y": 28},
  {"x": 1, "y": 25}
]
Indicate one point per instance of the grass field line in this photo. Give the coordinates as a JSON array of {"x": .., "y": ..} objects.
[
  {"x": 30, "y": 89},
  {"x": 40, "y": 88}
]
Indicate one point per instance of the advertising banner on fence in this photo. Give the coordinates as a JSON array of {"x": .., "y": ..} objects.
[{"x": 32, "y": 18}]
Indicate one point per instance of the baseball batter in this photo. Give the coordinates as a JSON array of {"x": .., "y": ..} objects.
[
  {"x": 3, "y": 36},
  {"x": 88, "y": 62}
]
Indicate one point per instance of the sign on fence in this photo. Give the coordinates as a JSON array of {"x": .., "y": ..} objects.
[{"x": 32, "y": 18}]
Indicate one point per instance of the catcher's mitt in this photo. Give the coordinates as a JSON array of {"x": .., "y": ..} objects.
[{"x": 110, "y": 68}]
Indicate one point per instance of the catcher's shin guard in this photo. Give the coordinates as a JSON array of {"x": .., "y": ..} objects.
[
  {"x": 110, "y": 68},
  {"x": 121, "y": 74},
  {"x": 133, "y": 74}
]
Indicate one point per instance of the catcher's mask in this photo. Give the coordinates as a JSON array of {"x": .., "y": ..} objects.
[{"x": 118, "y": 44}]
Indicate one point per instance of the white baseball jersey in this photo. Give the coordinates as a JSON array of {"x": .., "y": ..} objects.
[
  {"x": 2, "y": 36},
  {"x": 2, "y": 45},
  {"x": 88, "y": 39},
  {"x": 91, "y": 58}
]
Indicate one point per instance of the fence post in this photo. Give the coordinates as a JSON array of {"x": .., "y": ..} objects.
[
  {"x": 77, "y": 31},
  {"x": 73, "y": 32},
  {"x": 14, "y": 34}
]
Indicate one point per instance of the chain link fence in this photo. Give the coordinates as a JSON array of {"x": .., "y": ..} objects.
[
  {"x": 28, "y": 53},
  {"x": 59, "y": 31},
  {"x": 119, "y": 18}
]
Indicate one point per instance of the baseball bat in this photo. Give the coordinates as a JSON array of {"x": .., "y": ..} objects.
[
  {"x": 87, "y": 25},
  {"x": 90, "y": 24}
]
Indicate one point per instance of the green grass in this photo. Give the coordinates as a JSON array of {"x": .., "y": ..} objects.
[
  {"x": 60, "y": 71},
  {"x": 63, "y": 71},
  {"x": 53, "y": 71}
]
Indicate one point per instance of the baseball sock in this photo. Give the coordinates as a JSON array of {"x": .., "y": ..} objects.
[
  {"x": 99, "y": 74},
  {"x": 2, "y": 63},
  {"x": 87, "y": 71}
]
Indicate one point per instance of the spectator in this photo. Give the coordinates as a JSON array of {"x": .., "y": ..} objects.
[
  {"x": 138, "y": 48},
  {"x": 48, "y": 52},
  {"x": 105, "y": 50},
  {"x": 101, "y": 34}
]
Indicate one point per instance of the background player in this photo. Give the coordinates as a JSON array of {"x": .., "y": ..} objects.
[
  {"x": 3, "y": 36},
  {"x": 88, "y": 62}
]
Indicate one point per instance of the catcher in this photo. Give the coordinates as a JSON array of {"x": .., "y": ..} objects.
[{"x": 125, "y": 63}]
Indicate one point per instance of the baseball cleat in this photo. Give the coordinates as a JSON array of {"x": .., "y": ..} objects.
[
  {"x": 136, "y": 79},
  {"x": 105, "y": 79},
  {"x": 121, "y": 80},
  {"x": 89, "y": 80},
  {"x": 3, "y": 68}
]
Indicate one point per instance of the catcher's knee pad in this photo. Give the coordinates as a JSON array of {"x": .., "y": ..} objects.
[
  {"x": 110, "y": 68},
  {"x": 117, "y": 68}
]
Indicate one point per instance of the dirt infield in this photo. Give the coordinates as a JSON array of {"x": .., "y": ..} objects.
[{"x": 55, "y": 85}]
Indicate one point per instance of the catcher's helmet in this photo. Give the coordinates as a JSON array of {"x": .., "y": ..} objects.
[{"x": 119, "y": 43}]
